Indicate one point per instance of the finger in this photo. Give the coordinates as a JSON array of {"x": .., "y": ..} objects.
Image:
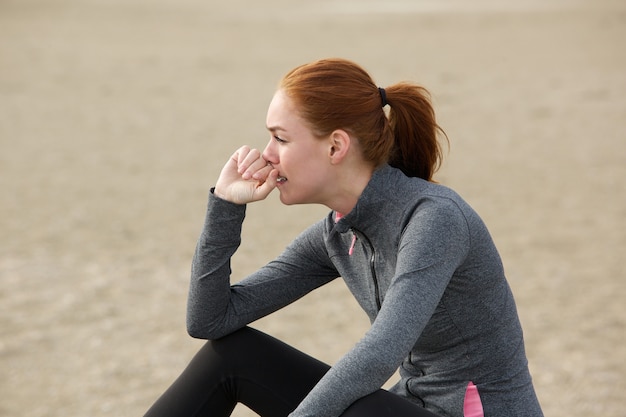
[
  {"x": 242, "y": 154},
  {"x": 231, "y": 166},
  {"x": 246, "y": 158},
  {"x": 263, "y": 190},
  {"x": 262, "y": 173},
  {"x": 253, "y": 162}
]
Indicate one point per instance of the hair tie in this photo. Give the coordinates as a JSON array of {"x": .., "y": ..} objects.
[{"x": 383, "y": 96}]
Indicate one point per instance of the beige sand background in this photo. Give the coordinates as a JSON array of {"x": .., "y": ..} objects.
[{"x": 116, "y": 116}]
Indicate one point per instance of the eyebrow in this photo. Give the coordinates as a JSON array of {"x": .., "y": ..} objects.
[{"x": 275, "y": 128}]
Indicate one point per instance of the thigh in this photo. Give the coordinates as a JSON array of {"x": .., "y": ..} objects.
[
  {"x": 289, "y": 374},
  {"x": 248, "y": 367},
  {"x": 267, "y": 375},
  {"x": 272, "y": 376}
]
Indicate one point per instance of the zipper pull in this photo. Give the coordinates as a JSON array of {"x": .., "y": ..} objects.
[{"x": 351, "y": 250}]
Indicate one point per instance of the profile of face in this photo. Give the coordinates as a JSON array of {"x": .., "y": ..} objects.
[{"x": 302, "y": 160}]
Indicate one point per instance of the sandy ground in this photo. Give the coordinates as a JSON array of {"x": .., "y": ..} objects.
[{"x": 116, "y": 116}]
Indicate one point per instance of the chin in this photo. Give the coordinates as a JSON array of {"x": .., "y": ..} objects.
[
  {"x": 291, "y": 201},
  {"x": 287, "y": 201}
]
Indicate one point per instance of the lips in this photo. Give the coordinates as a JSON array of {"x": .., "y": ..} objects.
[{"x": 281, "y": 180}]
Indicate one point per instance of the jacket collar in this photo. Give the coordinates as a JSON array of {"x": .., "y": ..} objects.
[{"x": 372, "y": 207}]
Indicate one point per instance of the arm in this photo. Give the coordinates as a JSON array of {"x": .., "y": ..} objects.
[
  {"x": 216, "y": 308},
  {"x": 433, "y": 245}
]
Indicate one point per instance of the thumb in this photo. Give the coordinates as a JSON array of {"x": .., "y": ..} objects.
[{"x": 268, "y": 186}]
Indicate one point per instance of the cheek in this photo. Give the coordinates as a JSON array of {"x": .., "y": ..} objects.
[
  {"x": 313, "y": 179},
  {"x": 305, "y": 164}
]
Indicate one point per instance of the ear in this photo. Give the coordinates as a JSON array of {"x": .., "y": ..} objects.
[{"x": 340, "y": 143}]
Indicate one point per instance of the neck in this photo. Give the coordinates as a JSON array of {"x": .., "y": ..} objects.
[{"x": 349, "y": 187}]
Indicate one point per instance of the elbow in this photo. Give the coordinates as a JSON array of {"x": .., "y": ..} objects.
[
  {"x": 199, "y": 330},
  {"x": 207, "y": 324},
  {"x": 196, "y": 332},
  {"x": 195, "y": 327}
]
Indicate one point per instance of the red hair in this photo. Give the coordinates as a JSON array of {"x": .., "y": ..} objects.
[{"x": 333, "y": 94}]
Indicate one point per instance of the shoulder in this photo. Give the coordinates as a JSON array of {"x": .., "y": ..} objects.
[
  {"x": 412, "y": 190},
  {"x": 420, "y": 197}
]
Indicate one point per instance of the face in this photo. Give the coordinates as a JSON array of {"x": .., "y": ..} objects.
[{"x": 301, "y": 159}]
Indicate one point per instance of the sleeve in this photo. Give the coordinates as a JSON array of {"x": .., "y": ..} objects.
[
  {"x": 216, "y": 308},
  {"x": 433, "y": 244}
]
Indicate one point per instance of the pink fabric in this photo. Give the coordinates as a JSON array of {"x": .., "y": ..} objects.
[
  {"x": 351, "y": 250},
  {"x": 338, "y": 217},
  {"x": 472, "y": 406}
]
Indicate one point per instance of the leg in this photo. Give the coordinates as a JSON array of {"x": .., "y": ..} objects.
[
  {"x": 385, "y": 404},
  {"x": 265, "y": 374},
  {"x": 247, "y": 366}
]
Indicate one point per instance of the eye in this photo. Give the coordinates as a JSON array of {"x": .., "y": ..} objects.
[{"x": 279, "y": 140}]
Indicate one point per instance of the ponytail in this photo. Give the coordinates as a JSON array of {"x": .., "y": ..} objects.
[{"x": 416, "y": 151}]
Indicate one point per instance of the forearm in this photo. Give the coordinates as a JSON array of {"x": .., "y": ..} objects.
[
  {"x": 215, "y": 307},
  {"x": 209, "y": 290},
  {"x": 368, "y": 365}
]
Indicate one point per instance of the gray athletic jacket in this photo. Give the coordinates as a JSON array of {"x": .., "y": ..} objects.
[{"x": 422, "y": 265}]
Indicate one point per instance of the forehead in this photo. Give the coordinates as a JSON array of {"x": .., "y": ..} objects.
[{"x": 281, "y": 113}]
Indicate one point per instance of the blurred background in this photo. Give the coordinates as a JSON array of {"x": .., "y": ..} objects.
[{"x": 116, "y": 117}]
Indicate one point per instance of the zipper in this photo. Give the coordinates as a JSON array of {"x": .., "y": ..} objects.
[{"x": 355, "y": 233}]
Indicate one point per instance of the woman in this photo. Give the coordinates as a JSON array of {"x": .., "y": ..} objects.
[{"x": 418, "y": 259}]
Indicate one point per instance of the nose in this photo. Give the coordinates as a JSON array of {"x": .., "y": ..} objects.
[{"x": 269, "y": 153}]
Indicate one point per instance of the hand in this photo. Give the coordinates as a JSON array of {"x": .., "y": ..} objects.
[{"x": 246, "y": 177}]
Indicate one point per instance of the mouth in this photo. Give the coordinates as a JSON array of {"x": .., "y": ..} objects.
[{"x": 281, "y": 180}]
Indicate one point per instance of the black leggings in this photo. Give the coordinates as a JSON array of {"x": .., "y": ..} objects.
[{"x": 267, "y": 375}]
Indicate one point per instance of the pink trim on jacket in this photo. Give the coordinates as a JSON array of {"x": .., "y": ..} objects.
[{"x": 472, "y": 406}]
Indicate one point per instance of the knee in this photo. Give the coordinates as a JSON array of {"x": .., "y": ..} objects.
[
  {"x": 219, "y": 354},
  {"x": 232, "y": 344}
]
